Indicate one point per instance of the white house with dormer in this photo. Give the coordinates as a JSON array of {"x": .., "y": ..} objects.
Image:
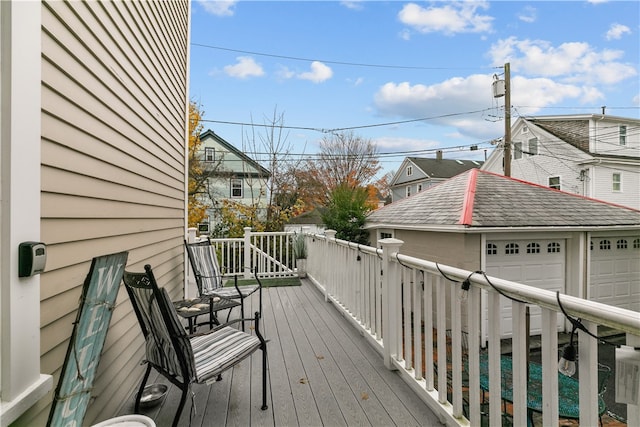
[{"x": 592, "y": 155}]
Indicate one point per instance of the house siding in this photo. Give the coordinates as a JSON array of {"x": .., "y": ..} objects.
[
  {"x": 114, "y": 100},
  {"x": 552, "y": 160},
  {"x": 602, "y": 185}
]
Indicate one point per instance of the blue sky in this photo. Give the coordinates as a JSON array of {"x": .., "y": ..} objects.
[{"x": 413, "y": 77}]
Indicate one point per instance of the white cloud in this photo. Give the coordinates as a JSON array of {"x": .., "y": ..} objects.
[
  {"x": 636, "y": 100},
  {"x": 473, "y": 93},
  {"x": 245, "y": 68},
  {"x": 218, "y": 8},
  {"x": 617, "y": 31},
  {"x": 318, "y": 74},
  {"x": 528, "y": 14},
  {"x": 448, "y": 18},
  {"x": 573, "y": 62},
  {"x": 353, "y": 4},
  {"x": 387, "y": 143}
]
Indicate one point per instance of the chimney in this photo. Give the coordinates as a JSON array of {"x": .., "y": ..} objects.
[{"x": 439, "y": 155}]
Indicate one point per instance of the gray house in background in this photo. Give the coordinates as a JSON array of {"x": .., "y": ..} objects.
[
  {"x": 522, "y": 232},
  {"x": 418, "y": 173}
]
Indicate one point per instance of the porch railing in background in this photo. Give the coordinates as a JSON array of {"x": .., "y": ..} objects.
[{"x": 270, "y": 254}]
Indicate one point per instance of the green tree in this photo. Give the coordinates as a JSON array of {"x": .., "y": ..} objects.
[{"x": 346, "y": 213}]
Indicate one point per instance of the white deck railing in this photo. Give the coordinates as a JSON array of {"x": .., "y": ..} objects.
[
  {"x": 270, "y": 254},
  {"x": 394, "y": 298}
]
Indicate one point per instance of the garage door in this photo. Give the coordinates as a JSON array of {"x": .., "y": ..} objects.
[
  {"x": 615, "y": 271},
  {"x": 539, "y": 263}
]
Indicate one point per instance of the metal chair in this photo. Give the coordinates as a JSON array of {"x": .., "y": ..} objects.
[
  {"x": 204, "y": 262},
  {"x": 185, "y": 359}
]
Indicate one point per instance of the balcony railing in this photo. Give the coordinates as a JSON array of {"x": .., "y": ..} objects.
[{"x": 394, "y": 299}]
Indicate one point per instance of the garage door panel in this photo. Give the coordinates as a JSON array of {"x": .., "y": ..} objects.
[
  {"x": 538, "y": 263},
  {"x": 615, "y": 271}
]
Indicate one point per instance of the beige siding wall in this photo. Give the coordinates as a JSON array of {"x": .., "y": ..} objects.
[
  {"x": 114, "y": 95},
  {"x": 455, "y": 249}
]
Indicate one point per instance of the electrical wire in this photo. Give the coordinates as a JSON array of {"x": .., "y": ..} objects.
[
  {"x": 576, "y": 323},
  {"x": 351, "y": 64}
]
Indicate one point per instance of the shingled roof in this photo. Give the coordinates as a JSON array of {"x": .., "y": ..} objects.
[{"x": 478, "y": 198}]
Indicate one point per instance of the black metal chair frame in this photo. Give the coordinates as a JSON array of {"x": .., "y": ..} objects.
[
  {"x": 169, "y": 348},
  {"x": 214, "y": 276}
]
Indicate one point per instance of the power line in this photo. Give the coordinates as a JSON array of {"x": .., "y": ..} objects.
[
  {"x": 324, "y": 130},
  {"x": 351, "y": 64}
]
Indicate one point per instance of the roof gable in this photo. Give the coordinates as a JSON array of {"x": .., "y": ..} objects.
[
  {"x": 434, "y": 168},
  {"x": 259, "y": 169},
  {"x": 483, "y": 199}
]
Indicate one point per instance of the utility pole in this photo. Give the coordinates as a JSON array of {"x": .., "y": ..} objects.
[{"x": 507, "y": 119}]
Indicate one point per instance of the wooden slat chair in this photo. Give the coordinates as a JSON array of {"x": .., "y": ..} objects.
[
  {"x": 204, "y": 262},
  {"x": 185, "y": 359}
]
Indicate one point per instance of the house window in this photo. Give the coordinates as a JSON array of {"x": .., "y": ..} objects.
[
  {"x": 512, "y": 249},
  {"x": 623, "y": 135},
  {"x": 553, "y": 248},
  {"x": 525, "y": 129},
  {"x": 517, "y": 150},
  {"x": 492, "y": 249},
  {"x": 419, "y": 187},
  {"x": 533, "y": 248},
  {"x": 591, "y": 245},
  {"x": 408, "y": 190},
  {"x": 533, "y": 146},
  {"x": 385, "y": 235},
  {"x": 621, "y": 244},
  {"x": 236, "y": 188},
  {"x": 209, "y": 154},
  {"x": 554, "y": 182},
  {"x": 409, "y": 170},
  {"x": 636, "y": 244},
  {"x": 605, "y": 245},
  {"x": 616, "y": 182}
]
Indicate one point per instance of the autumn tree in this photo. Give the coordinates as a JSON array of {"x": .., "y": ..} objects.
[
  {"x": 197, "y": 171},
  {"x": 344, "y": 159}
]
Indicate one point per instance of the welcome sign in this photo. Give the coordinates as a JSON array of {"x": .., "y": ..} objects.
[{"x": 98, "y": 297}]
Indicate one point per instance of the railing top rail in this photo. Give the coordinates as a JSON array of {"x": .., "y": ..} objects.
[
  {"x": 362, "y": 248},
  {"x": 272, "y": 233},
  {"x": 617, "y": 318}
]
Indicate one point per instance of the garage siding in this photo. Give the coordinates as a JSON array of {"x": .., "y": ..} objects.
[{"x": 114, "y": 99}]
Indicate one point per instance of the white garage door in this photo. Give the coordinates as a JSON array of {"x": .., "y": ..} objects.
[
  {"x": 539, "y": 263},
  {"x": 615, "y": 271}
]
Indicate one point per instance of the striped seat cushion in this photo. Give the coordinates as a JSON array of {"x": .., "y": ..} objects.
[
  {"x": 219, "y": 350},
  {"x": 232, "y": 292}
]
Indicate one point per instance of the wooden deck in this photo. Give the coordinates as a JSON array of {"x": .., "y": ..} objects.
[{"x": 322, "y": 372}]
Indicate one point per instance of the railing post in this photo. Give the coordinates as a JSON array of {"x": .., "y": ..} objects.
[
  {"x": 191, "y": 234},
  {"x": 331, "y": 237},
  {"x": 390, "y": 247},
  {"x": 246, "y": 268}
]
